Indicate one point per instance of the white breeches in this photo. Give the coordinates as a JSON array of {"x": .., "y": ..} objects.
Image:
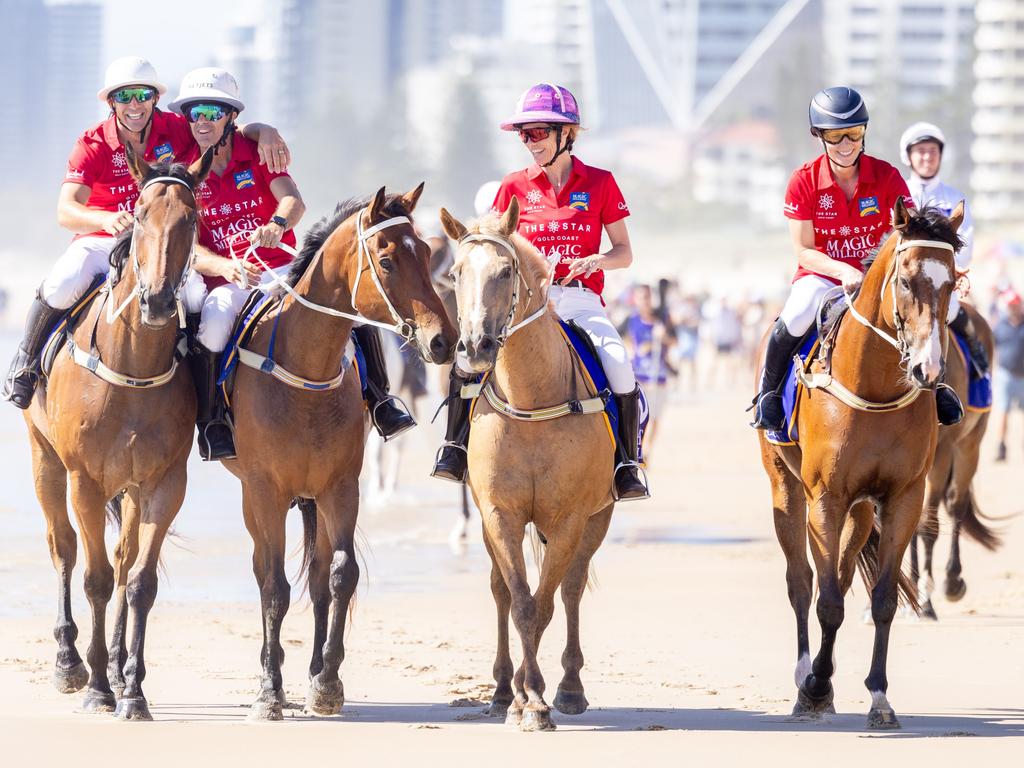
[
  {"x": 584, "y": 308},
  {"x": 220, "y": 309},
  {"x": 802, "y": 305}
]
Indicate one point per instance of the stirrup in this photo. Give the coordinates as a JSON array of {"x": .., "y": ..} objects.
[
  {"x": 642, "y": 476},
  {"x": 398, "y": 404},
  {"x": 758, "y": 422},
  {"x": 437, "y": 458}
]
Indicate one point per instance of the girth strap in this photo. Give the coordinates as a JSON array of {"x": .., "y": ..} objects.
[
  {"x": 827, "y": 383},
  {"x": 594, "y": 404},
  {"x": 266, "y": 365},
  {"x": 92, "y": 362}
]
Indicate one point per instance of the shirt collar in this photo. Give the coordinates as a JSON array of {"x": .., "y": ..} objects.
[
  {"x": 865, "y": 173},
  {"x": 578, "y": 169},
  {"x": 157, "y": 127}
]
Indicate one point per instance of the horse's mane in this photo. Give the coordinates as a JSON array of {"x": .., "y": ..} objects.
[
  {"x": 529, "y": 257},
  {"x": 319, "y": 232},
  {"x": 928, "y": 223}
]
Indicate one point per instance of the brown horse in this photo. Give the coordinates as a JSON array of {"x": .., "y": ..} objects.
[
  {"x": 555, "y": 473},
  {"x": 118, "y": 413},
  {"x": 867, "y": 432},
  {"x": 951, "y": 482},
  {"x": 306, "y": 440}
]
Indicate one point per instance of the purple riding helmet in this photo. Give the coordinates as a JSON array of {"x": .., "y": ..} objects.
[{"x": 546, "y": 103}]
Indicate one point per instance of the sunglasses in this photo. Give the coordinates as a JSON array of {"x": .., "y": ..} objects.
[
  {"x": 140, "y": 94},
  {"x": 212, "y": 112},
  {"x": 534, "y": 134},
  {"x": 836, "y": 135}
]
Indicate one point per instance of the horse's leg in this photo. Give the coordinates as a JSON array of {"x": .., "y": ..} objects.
[
  {"x": 320, "y": 597},
  {"x": 825, "y": 521},
  {"x": 502, "y": 670},
  {"x": 69, "y": 673},
  {"x": 264, "y": 509},
  {"x": 958, "y": 503},
  {"x": 339, "y": 509},
  {"x": 858, "y": 526},
  {"x": 928, "y": 527},
  {"x": 125, "y": 552},
  {"x": 570, "y": 698},
  {"x": 159, "y": 503},
  {"x": 89, "y": 502},
  {"x": 899, "y": 519}
]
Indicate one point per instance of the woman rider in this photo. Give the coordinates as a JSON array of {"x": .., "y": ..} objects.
[
  {"x": 565, "y": 206},
  {"x": 243, "y": 203},
  {"x": 97, "y": 200},
  {"x": 839, "y": 206}
]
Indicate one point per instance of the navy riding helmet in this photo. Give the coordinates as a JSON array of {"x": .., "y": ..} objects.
[{"x": 838, "y": 107}]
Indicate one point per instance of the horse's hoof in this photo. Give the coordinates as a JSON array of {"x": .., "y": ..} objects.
[
  {"x": 571, "y": 703},
  {"x": 132, "y": 709},
  {"x": 955, "y": 589},
  {"x": 71, "y": 680},
  {"x": 99, "y": 701},
  {"x": 883, "y": 720},
  {"x": 498, "y": 707},
  {"x": 325, "y": 699},
  {"x": 811, "y": 708},
  {"x": 536, "y": 717},
  {"x": 514, "y": 714},
  {"x": 928, "y": 611},
  {"x": 266, "y": 711}
]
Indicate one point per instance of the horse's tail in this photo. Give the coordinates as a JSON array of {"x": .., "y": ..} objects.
[
  {"x": 867, "y": 563},
  {"x": 537, "y": 543},
  {"x": 973, "y": 524},
  {"x": 113, "y": 510},
  {"x": 308, "y": 509}
]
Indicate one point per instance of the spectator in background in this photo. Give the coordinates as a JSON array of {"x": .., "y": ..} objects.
[
  {"x": 685, "y": 318},
  {"x": 649, "y": 338},
  {"x": 726, "y": 330},
  {"x": 1009, "y": 378}
]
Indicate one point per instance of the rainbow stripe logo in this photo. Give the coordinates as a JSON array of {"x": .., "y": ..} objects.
[{"x": 244, "y": 179}]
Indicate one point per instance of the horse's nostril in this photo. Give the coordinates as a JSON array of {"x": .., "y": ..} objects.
[
  {"x": 486, "y": 344},
  {"x": 461, "y": 347},
  {"x": 438, "y": 346}
]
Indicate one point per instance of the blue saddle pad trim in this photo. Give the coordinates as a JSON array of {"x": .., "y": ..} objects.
[
  {"x": 61, "y": 325},
  {"x": 979, "y": 389},
  {"x": 789, "y": 435}
]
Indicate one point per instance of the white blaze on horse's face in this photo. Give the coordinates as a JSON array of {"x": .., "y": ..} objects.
[
  {"x": 923, "y": 289},
  {"x": 483, "y": 285}
]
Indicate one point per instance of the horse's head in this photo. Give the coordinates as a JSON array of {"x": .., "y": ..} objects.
[
  {"x": 399, "y": 288},
  {"x": 492, "y": 266},
  {"x": 919, "y": 282},
  {"x": 163, "y": 237}
]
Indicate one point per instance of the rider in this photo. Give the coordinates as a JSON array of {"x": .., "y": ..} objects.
[
  {"x": 97, "y": 200},
  {"x": 565, "y": 207},
  {"x": 921, "y": 147},
  {"x": 242, "y": 196},
  {"x": 839, "y": 206}
]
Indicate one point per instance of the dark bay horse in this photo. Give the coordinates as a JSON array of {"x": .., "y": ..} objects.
[
  {"x": 118, "y": 413},
  {"x": 868, "y": 433},
  {"x": 303, "y": 435},
  {"x": 950, "y": 482},
  {"x": 525, "y": 466}
]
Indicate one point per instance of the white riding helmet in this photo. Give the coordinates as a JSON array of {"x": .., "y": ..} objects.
[
  {"x": 917, "y": 133},
  {"x": 129, "y": 70},
  {"x": 485, "y": 197},
  {"x": 208, "y": 84}
]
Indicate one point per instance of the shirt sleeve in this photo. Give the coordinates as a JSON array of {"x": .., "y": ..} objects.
[
  {"x": 85, "y": 165},
  {"x": 798, "y": 204},
  {"x": 614, "y": 206}
]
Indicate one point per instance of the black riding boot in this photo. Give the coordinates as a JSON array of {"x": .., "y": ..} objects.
[
  {"x": 769, "y": 413},
  {"x": 964, "y": 327},
  {"x": 451, "y": 463},
  {"x": 948, "y": 407},
  {"x": 630, "y": 482},
  {"x": 215, "y": 439},
  {"x": 23, "y": 377},
  {"x": 385, "y": 413}
]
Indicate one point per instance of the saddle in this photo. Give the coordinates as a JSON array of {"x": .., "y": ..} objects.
[{"x": 61, "y": 333}]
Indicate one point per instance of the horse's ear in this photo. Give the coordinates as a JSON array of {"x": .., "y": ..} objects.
[
  {"x": 956, "y": 218},
  {"x": 510, "y": 219},
  {"x": 452, "y": 226},
  {"x": 900, "y": 215},
  {"x": 137, "y": 167},
  {"x": 409, "y": 199},
  {"x": 376, "y": 205},
  {"x": 200, "y": 169}
]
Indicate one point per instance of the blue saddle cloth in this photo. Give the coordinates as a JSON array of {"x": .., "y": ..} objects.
[
  {"x": 58, "y": 336},
  {"x": 979, "y": 388},
  {"x": 788, "y": 435}
]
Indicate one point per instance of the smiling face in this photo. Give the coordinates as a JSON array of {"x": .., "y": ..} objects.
[
  {"x": 845, "y": 152},
  {"x": 925, "y": 158},
  {"x": 134, "y": 115},
  {"x": 205, "y": 131}
]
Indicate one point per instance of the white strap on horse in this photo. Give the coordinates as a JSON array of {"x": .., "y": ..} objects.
[
  {"x": 595, "y": 404},
  {"x": 279, "y": 372},
  {"x": 94, "y": 364},
  {"x": 828, "y": 383}
]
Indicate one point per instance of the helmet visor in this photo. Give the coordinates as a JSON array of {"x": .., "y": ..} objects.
[{"x": 836, "y": 135}]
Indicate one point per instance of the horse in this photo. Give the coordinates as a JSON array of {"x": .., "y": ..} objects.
[
  {"x": 951, "y": 482},
  {"x": 867, "y": 437},
  {"x": 300, "y": 429},
  {"x": 554, "y": 473},
  {"x": 117, "y": 413}
]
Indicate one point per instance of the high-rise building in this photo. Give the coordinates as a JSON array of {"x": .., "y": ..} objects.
[
  {"x": 23, "y": 60},
  {"x": 998, "y": 151},
  {"x": 241, "y": 56}
]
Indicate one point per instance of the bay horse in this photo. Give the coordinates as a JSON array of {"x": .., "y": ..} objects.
[
  {"x": 556, "y": 474},
  {"x": 950, "y": 482},
  {"x": 118, "y": 413},
  {"x": 867, "y": 437},
  {"x": 302, "y": 434}
]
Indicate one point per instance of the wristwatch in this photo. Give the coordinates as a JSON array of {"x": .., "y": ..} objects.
[{"x": 281, "y": 221}]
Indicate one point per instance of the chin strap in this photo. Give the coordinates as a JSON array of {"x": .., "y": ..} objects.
[{"x": 559, "y": 149}]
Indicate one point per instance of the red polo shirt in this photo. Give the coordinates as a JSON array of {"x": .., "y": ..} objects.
[
  {"x": 568, "y": 225},
  {"x": 238, "y": 201},
  {"x": 98, "y": 161},
  {"x": 845, "y": 230}
]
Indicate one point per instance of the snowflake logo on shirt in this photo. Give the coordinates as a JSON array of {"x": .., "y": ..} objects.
[
  {"x": 826, "y": 202},
  {"x": 845, "y": 231},
  {"x": 119, "y": 160},
  {"x": 225, "y": 209},
  {"x": 533, "y": 196},
  {"x": 553, "y": 226}
]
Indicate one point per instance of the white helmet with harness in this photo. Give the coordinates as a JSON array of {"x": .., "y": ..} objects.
[{"x": 917, "y": 133}]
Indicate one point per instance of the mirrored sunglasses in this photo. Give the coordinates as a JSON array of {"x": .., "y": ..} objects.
[
  {"x": 534, "y": 134},
  {"x": 836, "y": 135},
  {"x": 211, "y": 112},
  {"x": 140, "y": 94}
]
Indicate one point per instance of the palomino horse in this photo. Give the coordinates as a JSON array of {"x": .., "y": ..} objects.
[
  {"x": 116, "y": 413},
  {"x": 867, "y": 432},
  {"x": 300, "y": 431},
  {"x": 951, "y": 482},
  {"x": 555, "y": 473}
]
